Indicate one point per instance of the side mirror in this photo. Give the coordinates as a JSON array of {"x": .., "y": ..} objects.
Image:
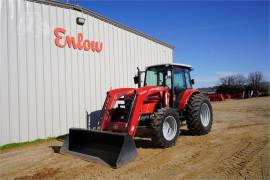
[
  {"x": 192, "y": 81},
  {"x": 136, "y": 79}
]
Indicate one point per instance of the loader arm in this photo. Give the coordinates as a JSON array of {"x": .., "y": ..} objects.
[
  {"x": 123, "y": 107},
  {"x": 148, "y": 99},
  {"x": 108, "y": 120}
]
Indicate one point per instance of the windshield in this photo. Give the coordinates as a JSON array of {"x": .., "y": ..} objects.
[{"x": 157, "y": 76}]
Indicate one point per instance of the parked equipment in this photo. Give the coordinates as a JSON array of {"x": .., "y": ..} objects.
[{"x": 162, "y": 104}]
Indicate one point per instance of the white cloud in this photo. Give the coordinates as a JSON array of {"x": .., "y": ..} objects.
[{"x": 224, "y": 73}]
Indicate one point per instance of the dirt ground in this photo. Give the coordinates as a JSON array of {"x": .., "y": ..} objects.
[{"x": 237, "y": 147}]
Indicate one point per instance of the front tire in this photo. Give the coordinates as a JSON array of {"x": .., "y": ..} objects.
[
  {"x": 199, "y": 114},
  {"x": 166, "y": 127}
]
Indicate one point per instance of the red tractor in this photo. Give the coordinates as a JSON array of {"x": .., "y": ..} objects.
[{"x": 162, "y": 104}]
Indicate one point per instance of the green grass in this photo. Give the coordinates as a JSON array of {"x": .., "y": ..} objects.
[{"x": 22, "y": 144}]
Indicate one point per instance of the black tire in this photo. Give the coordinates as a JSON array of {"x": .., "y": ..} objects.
[
  {"x": 157, "y": 126},
  {"x": 193, "y": 118}
]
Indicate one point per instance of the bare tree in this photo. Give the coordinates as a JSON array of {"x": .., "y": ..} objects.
[
  {"x": 226, "y": 81},
  {"x": 239, "y": 83},
  {"x": 255, "y": 79},
  {"x": 233, "y": 80},
  {"x": 232, "y": 84},
  {"x": 239, "y": 80}
]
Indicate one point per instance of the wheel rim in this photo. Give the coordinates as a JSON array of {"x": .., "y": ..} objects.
[
  {"x": 205, "y": 114},
  {"x": 169, "y": 128}
]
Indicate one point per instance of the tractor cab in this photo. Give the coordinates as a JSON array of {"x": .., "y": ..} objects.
[{"x": 174, "y": 76}]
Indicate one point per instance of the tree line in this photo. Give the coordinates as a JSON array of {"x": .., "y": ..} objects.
[{"x": 252, "y": 85}]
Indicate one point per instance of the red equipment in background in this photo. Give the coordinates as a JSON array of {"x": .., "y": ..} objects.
[{"x": 216, "y": 97}]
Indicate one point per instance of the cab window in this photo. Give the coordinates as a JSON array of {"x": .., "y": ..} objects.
[
  {"x": 179, "y": 79},
  {"x": 157, "y": 76},
  {"x": 154, "y": 78},
  {"x": 188, "y": 83}
]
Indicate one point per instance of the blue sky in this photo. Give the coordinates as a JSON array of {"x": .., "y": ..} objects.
[{"x": 217, "y": 38}]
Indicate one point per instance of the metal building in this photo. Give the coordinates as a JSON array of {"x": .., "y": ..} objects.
[{"x": 53, "y": 68}]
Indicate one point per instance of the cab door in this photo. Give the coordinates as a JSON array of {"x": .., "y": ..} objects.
[
  {"x": 179, "y": 85},
  {"x": 188, "y": 79}
]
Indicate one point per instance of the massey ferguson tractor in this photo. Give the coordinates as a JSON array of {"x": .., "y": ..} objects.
[{"x": 164, "y": 101}]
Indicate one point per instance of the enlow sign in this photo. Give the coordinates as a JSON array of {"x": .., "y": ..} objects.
[{"x": 61, "y": 40}]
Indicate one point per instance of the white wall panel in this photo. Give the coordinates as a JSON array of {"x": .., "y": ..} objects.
[
  {"x": 45, "y": 89},
  {"x": 80, "y": 76},
  {"x": 31, "y": 72},
  {"x": 106, "y": 57},
  {"x": 102, "y": 62},
  {"x": 127, "y": 60},
  {"x": 68, "y": 74},
  {"x": 58, "y": 58},
  {"x": 39, "y": 70},
  {"x": 47, "y": 70},
  {"x": 86, "y": 63},
  {"x": 81, "y": 80},
  {"x": 92, "y": 69},
  {"x": 4, "y": 86},
  {"x": 13, "y": 72},
  {"x": 22, "y": 71},
  {"x": 74, "y": 69},
  {"x": 55, "y": 76}
]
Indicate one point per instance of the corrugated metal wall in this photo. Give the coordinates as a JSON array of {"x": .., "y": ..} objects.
[{"x": 46, "y": 89}]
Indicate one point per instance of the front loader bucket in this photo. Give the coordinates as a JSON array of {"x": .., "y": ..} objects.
[{"x": 112, "y": 148}]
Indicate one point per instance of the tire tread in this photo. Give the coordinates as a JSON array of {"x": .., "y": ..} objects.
[
  {"x": 192, "y": 111},
  {"x": 156, "y": 125}
]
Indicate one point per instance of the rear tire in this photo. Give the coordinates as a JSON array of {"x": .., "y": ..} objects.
[
  {"x": 166, "y": 127},
  {"x": 199, "y": 115}
]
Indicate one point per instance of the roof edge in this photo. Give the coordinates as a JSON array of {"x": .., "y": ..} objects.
[
  {"x": 172, "y": 64},
  {"x": 101, "y": 17}
]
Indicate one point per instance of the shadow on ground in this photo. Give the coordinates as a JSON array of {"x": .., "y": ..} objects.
[
  {"x": 142, "y": 139},
  {"x": 185, "y": 132},
  {"x": 56, "y": 148}
]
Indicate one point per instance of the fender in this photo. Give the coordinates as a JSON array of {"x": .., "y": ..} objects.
[{"x": 186, "y": 96}]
